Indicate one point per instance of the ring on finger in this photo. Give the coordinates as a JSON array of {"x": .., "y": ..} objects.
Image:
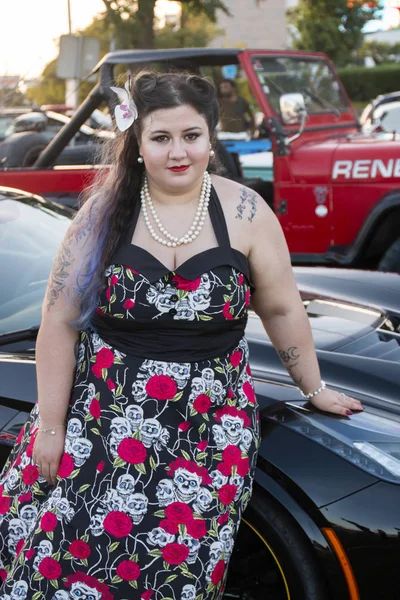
[
  {"x": 343, "y": 395},
  {"x": 38, "y": 465}
]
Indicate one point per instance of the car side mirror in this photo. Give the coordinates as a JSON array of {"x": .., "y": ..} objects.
[{"x": 292, "y": 107}]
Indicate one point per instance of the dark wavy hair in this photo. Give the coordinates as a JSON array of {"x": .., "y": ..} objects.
[{"x": 115, "y": 192}]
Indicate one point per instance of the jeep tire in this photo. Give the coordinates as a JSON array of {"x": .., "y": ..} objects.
[{"x": 390, "y": 261}]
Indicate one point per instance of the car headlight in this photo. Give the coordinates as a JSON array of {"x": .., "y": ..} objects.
[{"x": 366, "y": 440}]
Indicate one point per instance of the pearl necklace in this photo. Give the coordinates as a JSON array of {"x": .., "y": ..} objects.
[{"x": 198, "y": 221}]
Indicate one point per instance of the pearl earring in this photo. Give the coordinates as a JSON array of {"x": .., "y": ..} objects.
[
  {"x": 140, "y": 159},
  {"x": 212, "y": 153}
]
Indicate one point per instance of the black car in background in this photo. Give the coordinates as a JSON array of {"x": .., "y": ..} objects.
[{"x": 324, "y": 520}]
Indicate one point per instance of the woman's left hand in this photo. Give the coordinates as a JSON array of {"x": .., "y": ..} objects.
[{"x": 336, "y": 402}]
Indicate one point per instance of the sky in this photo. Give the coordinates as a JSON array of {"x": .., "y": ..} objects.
[{"x": 29, "y": 31}]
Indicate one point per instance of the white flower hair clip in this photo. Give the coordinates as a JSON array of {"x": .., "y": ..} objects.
[{"x": 125, "y": 113}]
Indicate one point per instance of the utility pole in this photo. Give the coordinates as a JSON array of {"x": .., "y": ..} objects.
[{"x": 71, "y": 85}]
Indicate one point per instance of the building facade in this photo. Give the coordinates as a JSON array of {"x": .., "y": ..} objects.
[{"x": 254, "y": 25}]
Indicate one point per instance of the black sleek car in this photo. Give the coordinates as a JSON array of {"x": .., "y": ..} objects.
[{"x": 324, "y": 520}]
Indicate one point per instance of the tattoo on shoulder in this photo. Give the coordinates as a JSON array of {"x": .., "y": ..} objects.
[
  {"x": 84, "y": 224},
  {"x": 248, "y": 199}
]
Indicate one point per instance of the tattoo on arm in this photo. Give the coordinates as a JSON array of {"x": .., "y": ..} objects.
[
  {"x": 60, "y": 272},
  {"x": 290, "y": 359},
  {"x": 248, "y": 198}
]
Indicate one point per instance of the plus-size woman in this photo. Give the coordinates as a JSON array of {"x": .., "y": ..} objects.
[{"x": 132, "y": 473}]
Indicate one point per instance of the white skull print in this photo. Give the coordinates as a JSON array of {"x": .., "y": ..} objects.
[
  {"x": 60, "y": 595},
  {"x": 64, "y": 510},
  {"x": 112, "y": 500},
  {"x": 218, "y": 480},
  {"x": 159, "y": 537},
  {"x": 162, "y": 299},
  {"x": 219, "y": 437},
  {"x": 120, "y": 428},
  {"x": 216, "y": 550},
  {"x": 197, "y": 387},
  {"x": 203, "y": 500},
  {"x": 154, "y": 367},
  {"x": 150, "y": 430},
  {"x": 19, "y": 590},
  {"x": 139, "y": 390},
  {"x": 199, "y": 299},
  {"x": 226, "y": 538},
  {"x": 246, "y": 440},
  {"x": 17, "y": 530},
  {"x": 97, "y": 342},
  {"x": 28, "y": 513},
  {"x": 217, "y": 392},
  {"x": 81, "y": 354},
  {"x": 192, "y": 544},
  {"x": 187, "y": 484},
  {"x": 239, "y": 482},
  {"x": 207, "y": 375},
  {"x": 184, "y": 312},
  {"x": 11, "y": 480},
  {"x": 180, "y": 372},
  {"x": 188, "y": 592},
  {"x": 54, "y": 497},
  {"x": 233, "y": 428},
  {"x": 96, "y": 523},
  {"x": 74, "y": 428},
  {"x": 134, "y": 414},
  {"x": 81, "y": 591},
  {"x": 205, "y": 282},
  {"x": 91, "y": 394},
  {"x": 125, "y": 485},
  {"x": 81, "y": 449},
  {"x": 136, "y": 507},
  {"x": 44, "y": 550},
  {"x": 165, "y": 492}
]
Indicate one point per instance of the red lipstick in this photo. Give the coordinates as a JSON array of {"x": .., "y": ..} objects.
[{"x": 179, "y": 169}]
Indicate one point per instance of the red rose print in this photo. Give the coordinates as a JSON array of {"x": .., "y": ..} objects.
[
  {"x": 113, "y": 280},
  {"x": 20, "y": 435},
  {"x": 97, "y": 371},
  {"x": 90, "y": 582},
  {"x": 5, "y": 503},
  {"x": 236, "y": 357},
  {"x": 27, "y": 497},
  {"x": 188, "y": 285},
  {"x": 218, "y": 572},
  {"x": 247, "y": 298},
  {"x": 240, "y": 279},
  {"x": 184, "y": 426},
  {"x": 94, "y": 408},
  {"x": 128, "y": 304},
  {"x": 230, "y": 393},
  {"x": 179, "y": 512},
  {"x": 67, "y": 465},
  {"x": 223, "y": 518},
  {"x": 111, "y": 385},
  {"x": 132, "y": 451},
  {"x": 243, "y": 467},
  {"x": 105, "y": 358},
  {"x": 30, "y": 474},
  {"x": 202, "y": 403},
  {"x": 79, "y": 549},
  {"x": 117, "y": 524},
  {"x": 249, "y": 392},
  {"x": 202, "y": 445},
  {"x": 3, "y": 574},
  {"x": 232, "y": 411},
  {"x": 19, "y": 546},
  {"x": 192, "y": 467},
  {"x": 197, "y": 528},
  {"x": 50, "y": 568},
  {"x": 248, "y": 369},
  {"x": 100, "y": 312},
  {"x": 175, "y": 554},
  {"x": 231, "y": 455},
  {"x": 100, "y": 466},
  {"x": 169, "y": 526},
  {"x": 227, "y": 493},
  {"x": 225, "y": 311},
  {"x": 225, "y": 469},
  {"x": 29, "y": 553},
  {"x": 108, "y": 294},
  {"x": 48, "y": 522},
  {"x": 161, "y": 387},
  {"x": 17, "y": 460},
  {"x": 147, "y": 594},
  {"x": 128, "y": 570}
]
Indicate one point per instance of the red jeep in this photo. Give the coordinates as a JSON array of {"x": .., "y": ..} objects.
[{"x": 335, "y": 190}]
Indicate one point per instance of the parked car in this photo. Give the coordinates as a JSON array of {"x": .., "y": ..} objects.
[
  {"x": 336, "y": 190},
  {"x": 323, "y": 522},
  {"x": 7, "y": 115},
  {"x": 382, "y": 105}
]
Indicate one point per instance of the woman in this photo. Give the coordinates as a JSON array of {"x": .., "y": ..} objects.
[{"x": 133, "y": 484}]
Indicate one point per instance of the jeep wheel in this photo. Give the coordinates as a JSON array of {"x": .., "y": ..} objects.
[
  {"x": 390, "y": 261},
  {"x": 272, "y": 559}
]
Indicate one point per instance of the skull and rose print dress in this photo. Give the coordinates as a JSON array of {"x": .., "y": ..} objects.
[{"x": 161, "y": 440}]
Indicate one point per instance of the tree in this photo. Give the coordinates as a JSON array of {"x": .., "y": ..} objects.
[
  {"x": 195, "y": 32},
  {"x": 331, "y": 26}
]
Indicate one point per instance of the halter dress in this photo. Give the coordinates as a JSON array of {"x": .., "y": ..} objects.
[{"x": 161, "y": 440}]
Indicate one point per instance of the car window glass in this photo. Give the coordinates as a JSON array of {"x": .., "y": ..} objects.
[
  {"x": 30, "y": 234},
  {"x": 280, "y": 75}
]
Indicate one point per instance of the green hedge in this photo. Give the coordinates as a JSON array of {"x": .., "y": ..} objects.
[{"x": 363, "y": 84}]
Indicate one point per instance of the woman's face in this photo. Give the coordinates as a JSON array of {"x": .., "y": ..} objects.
[{"x": 173, "y": 138}]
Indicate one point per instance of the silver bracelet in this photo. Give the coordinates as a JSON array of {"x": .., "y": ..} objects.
[
  {"x": 51, "y": 429},
  {"x": 312, "y": 394}
]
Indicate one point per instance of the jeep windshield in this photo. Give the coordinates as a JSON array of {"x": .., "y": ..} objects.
[{"x": 311, "y": 77}]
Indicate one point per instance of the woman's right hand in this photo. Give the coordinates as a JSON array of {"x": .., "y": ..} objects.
[{"x": 47, "y": 452}]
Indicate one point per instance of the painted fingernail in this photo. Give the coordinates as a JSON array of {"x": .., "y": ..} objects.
[{"x": 349, "y": 412}]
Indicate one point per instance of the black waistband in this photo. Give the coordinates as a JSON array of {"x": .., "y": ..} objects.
[{"x": 180, "y": 341}]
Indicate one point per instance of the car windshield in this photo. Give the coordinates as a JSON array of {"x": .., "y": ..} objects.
[
  {"x": 312, "y": 77},
  {"x": 30, "y": 234}
]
